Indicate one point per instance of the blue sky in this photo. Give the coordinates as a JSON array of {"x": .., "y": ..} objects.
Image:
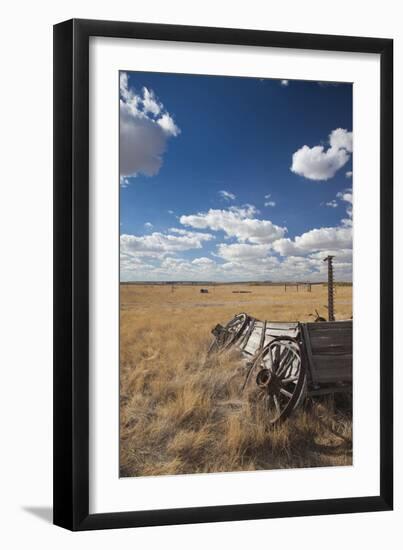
[{"x": 227, "y": 178}]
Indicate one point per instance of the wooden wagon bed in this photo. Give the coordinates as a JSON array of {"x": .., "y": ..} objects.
[{"x": 290, "y": 360}]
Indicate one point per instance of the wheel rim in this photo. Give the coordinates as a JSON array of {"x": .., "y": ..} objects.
[
  {"x": 235, "y": 328},
  {"x": 279, "y": 373}
]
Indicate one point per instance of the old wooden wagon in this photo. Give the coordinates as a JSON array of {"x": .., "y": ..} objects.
[{"x": 288, "y": 361}]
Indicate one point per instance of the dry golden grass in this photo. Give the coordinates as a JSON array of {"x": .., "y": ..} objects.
[{"x": 180, "y": 413}]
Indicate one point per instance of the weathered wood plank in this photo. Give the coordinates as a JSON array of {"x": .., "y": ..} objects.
[
  {"x": 338, "y": 338},
  {"x": 281, "y": 326},
  {"x": 245, "y": 337},
  {"x": 253, "y": 340},
  {"x": 333, "y": 368},
  {"x": 333, "y": 389},
  {"x": 330, "y": 340},
  {"x": 312, "y": 370},
  {"x": 262, "y": 335},
  {"x": 331, "y": 349},
  {"x": 335, "y": 336},
  {"x": 333, "y": 325},
  {"x": 333, "y": 376},
  {"x": 333, "y": 361}
]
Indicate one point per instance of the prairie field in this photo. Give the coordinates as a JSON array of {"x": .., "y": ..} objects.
[{"x": 182, "y": 413}]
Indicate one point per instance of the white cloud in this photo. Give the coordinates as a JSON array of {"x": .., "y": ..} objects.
[
  {"x": 319, "y": 164},
  {"x": 239, "y": 252},
  {"x": 346, "y": 196},
  {"x": 332, "y": 204},
  {"x": 341, "y": 255},
  {"x": 349, "y": 174},
  {"x": 317, "y": 239},
  {"x": 348, "y": 222},
  {"x": 284, "y": 83},
  {"x": 227, "y": 195},
  {"x": 148, "y": 225},
  {"x": 145, "y": 128},
  {"x": 269, "y": 203},
  {"x": 124, "y": 182},
  {"x": 150, "y": 102},
  {"x": 166, "y": 122},
  {"x": 203, "y": 262},
  {"x": 341, "y": 139},
  {"x": 171, "y": 263},
  {"x": 236, "y": 222},
  {"x": 171, "y": 212},
  {"x": 158, "y": 245},
  {"x": 241, "y": 262}
]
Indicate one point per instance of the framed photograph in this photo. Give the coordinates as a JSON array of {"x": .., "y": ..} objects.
[{"x": 223, "y": 319}]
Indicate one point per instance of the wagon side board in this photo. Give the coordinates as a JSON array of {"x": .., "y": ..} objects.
[
  {"x": 261, "y": 333},
  {"x": 329, "y": 350}
]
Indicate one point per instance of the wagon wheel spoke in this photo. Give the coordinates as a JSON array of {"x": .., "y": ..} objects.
[
  {"x": 268, "y": 398},
  {"x": 271, "y": 357},
  {"x": 290, "y": 380},
  {"x": 286, "y": 393},
  {"x": 277, "y": 404},
  {"x": 280, "y": 375},
  {"x": 283, "y": 355},
  {"x": 288, "y": 359},
  {"x": 247, "y": 377},
  {"x": 277, "y": 357}
]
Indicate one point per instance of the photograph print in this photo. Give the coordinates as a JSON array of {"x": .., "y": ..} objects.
[{"x": 236, "y": 247}]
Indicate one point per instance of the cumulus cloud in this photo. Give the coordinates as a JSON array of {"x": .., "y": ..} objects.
[
  {"x": 203, "y": 261},
  {"x": 341, "y": 255},
  {"x": 241, "y": 262},
  {"x": 150, "y": 102},
  {"x": 317, "y": 239},
  {"x": 145, "y": 127},
  {"x": 346, "y": 196},
  {"x": 227, "y": 195},
  {"x": 166, "y": 122},
  {"x": 349, "y": 174},
  {"x": 239, "y": 223},
  {"x": 284, "y": 82},
  {"x": 332, "y": 204},
  {"x": 316, "y": 163},
  {"x": 242, "y": 252},
  {"x": 341, "y": 139},
  {"x": 158, "y": 245},
  {"x": 148, "y": 225}
]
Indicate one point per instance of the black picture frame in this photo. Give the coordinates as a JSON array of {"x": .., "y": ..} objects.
[{"x": 71, "y": 274}]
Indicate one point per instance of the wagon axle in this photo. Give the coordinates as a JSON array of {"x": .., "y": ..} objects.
[
  {"x": 264, "y": 378},
  {"x": 269, "y": 381}
]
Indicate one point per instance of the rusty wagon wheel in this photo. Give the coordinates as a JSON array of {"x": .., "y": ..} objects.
[{"x": 279, "y": 372}]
